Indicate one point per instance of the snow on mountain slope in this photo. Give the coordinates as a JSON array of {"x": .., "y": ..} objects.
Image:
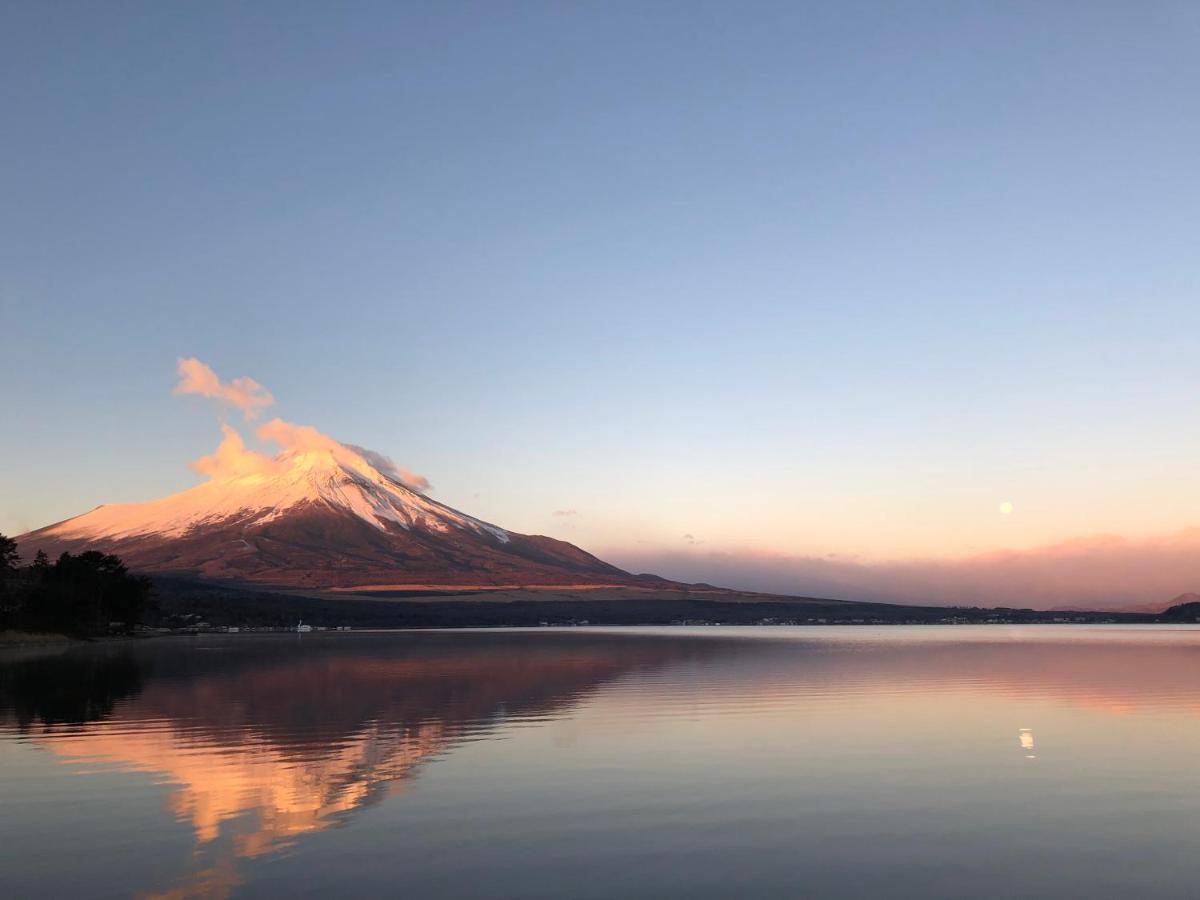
[
  {"x": 298, "y": 477},
  {"x": 324, "y": 515}
]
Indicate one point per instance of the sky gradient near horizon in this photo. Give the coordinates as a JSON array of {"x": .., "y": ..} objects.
[{"x": 828, "y": 281}]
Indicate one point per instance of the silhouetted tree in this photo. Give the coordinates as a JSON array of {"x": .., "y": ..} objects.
[
  {"x": 9, "y": 599},
  {"x": 9, "y": 557},
  {"x": 84, "y": 594},
  {"x": 79, "y": 594}
]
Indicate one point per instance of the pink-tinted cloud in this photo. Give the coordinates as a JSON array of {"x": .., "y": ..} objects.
[
  {"x": 302, "y": 438},
  {"x": 290, "y": 436},
  {"x": 231, "y": 459},
  {"x": 243, "y": 393},
  {"x": 1098, "y": 572}
]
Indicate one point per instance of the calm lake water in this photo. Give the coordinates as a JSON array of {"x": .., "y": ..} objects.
[{"x": 667, "y": 762}]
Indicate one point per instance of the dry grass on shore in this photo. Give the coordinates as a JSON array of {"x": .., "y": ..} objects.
[{"x": 30, "y": 638}]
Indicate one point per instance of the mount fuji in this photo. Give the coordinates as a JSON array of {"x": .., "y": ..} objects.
[{"x": 325, "y": 517}]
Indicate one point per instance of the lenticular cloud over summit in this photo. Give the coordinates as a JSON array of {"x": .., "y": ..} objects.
[
  {"x": 388, "y": 466},
  {"x": 232, "y": 459}
]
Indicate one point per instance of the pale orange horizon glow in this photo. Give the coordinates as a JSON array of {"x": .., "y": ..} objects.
[{"x": 912, "y": 539}]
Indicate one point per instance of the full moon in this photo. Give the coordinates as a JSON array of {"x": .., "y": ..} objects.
[{"x": 1006, "y": 508}]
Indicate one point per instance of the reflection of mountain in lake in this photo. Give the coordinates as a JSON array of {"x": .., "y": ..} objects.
[
  {"x": 267, "y": 740},
  {"x": 262, "y": 741}
]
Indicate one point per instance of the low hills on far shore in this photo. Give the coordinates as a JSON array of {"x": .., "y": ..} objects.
[
  {"x": 66, "y": 596},
  {"x": 196, "y": 603}
]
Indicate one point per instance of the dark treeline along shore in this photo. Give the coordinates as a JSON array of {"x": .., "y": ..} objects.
[
  {"x": 92, "y": 593},
  {"x": 82, "y": 594}
]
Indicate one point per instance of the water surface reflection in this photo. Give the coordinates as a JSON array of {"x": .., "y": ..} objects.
[{"x": 590, "y": 763}]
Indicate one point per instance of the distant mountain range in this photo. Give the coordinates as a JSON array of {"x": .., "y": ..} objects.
[{"x": 324, "y": 520}]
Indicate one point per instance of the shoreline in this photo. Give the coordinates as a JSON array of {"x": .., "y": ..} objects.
[{"x": 26, "y": 639}]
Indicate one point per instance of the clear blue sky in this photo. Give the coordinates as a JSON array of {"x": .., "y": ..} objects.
[{"x": 791, "y": 278}]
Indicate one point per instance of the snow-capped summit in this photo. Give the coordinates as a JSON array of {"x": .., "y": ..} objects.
[
  {"x": 323, "y": 514},
  {"x": 312, "y": 477}
]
